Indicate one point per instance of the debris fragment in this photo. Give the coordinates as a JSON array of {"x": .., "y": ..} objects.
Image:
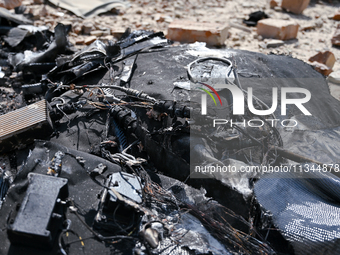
[
  {"x": 18, "y": 19},
  {"x": 241, "y": 27},
  {"x": 295, "y": 6},
  {"x": 271, "y": 43},
  {"x": 189, "y": 31},
  {"x": 277, "y": 29},
  {"x": 334, "y": 77},
  {"x": 327, "y": 58},
  {"x": 274, "y": 3},
  {"x": 337, "y": 15},
  {"x": 58, "y": 46},
  {"x": 254, "y": 18},
  {"x": 90, "y": 39}
]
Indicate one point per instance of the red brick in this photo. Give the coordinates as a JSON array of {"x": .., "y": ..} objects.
[
  {"x": 189, "y": 32},
  {"x": 90, "y": 39},
  {"x": 295, "y": 6},
  {"x": 327, "y": 58},
  {"x": 274, "y": 3},
  {"x": 337, "y": 15},
  {"x": 277, "y": 29}
]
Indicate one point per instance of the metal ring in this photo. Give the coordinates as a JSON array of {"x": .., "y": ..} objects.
[{"x": 227, "y": 61}]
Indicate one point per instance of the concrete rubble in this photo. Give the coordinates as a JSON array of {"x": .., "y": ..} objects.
[{"x": 317, "y": 30}]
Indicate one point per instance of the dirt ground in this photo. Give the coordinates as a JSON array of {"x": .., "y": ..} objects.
[{"x": 316, "y": 24}]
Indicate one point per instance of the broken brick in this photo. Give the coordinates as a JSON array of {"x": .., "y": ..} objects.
[
  {"x": 87, "y": 28},
  {"x": 97, "y": 33},
  {"x": 79, "y": 41},
  {"x": 337, "y": 15},
  {"x": 295, "y": 6},
  {"x": 189, "y": 32},
  {"x": 277, "y": 29},
  {"x": 117, "y": 32},
  {"x": 321, "y": 68},
  {"x": 274, "y": 3},
  {"x": 90, "y": 39},
  {"x": 327, "y": 58},
  {"x": 76, "y": 29}
]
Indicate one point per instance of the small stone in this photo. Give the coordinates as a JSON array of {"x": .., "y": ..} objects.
[
  {"x": 334, "y": 77},
  {"x": 334, "y": 89},
  {"x": 278, "y": 8},
  {"x": 271, "y": 44},
  {"x": 77, "y": 29},
  {"x": 72, "y": 40},
  {"x": 277, "y": 29},
  {"x": 159, "y": 18},
  {"x": 274, "y": 3},
  {"x": 308, "y": 27},
  {"x": 87, "y": 28},
  {"x": 295, "y": 6},
  {"x": 285, "y": 17},
  {"x": 327, "y": 58},
  {"x": 168, "y": 19},
  {"x": 96, "y": 33},
  {"x": 263, "y": 45},
  {"x": 90, "y": 39},
  {"x": 318, "y": 23},
  {"x": 337, "y": 15},
  {"x": 38, "y": 13},
  {"x": 274, "y": 43},
  {"x": 106, "y": 32}
]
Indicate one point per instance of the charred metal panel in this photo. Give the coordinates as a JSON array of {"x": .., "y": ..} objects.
[{"x": 22, "y": 126}]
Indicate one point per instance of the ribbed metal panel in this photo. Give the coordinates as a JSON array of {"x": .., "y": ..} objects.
[{"x": 13, "y": 125}]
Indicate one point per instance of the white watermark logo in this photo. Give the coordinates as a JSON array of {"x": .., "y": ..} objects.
[{"x": 239, "y": 102}]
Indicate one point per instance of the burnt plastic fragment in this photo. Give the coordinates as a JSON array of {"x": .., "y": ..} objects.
[
  {"x": 254, "y": 18},
  {"x": 41, "y": 214}
]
